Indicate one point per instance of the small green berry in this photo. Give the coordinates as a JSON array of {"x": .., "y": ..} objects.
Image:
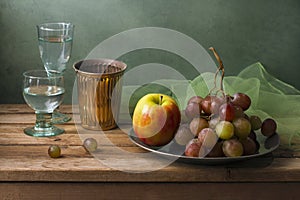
[
  {"x": 90, "y": 144},
  {"x": 54, "y": 151}
]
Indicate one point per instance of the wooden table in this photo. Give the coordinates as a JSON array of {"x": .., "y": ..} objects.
[{"x": 27, "y": 172}]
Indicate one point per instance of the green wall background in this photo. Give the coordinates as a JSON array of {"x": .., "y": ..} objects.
[{"x": 242, "y": 31}]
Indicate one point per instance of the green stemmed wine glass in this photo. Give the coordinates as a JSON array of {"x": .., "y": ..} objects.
[
  {"x": 43, "y": 91},
  {"x": 55, "y": 45}
]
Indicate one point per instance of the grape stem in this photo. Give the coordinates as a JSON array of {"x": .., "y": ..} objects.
[{"x": 220, "y": 69}]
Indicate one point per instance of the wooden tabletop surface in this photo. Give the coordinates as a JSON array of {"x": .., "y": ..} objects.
[{"x": 25, "y": 166}]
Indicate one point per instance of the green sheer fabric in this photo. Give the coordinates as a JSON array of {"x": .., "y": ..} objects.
[{"x": 270, "y": 97}]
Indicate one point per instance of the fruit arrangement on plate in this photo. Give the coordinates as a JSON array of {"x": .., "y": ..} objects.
[{"x": 212, "y": 126}]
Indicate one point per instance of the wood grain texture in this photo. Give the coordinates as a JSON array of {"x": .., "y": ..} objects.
[
  {"x": 24, "y": 159},
  {"x": 153, "y": 191}
]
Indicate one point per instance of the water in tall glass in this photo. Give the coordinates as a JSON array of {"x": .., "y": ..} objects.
[{"x": 55, "y": 52}]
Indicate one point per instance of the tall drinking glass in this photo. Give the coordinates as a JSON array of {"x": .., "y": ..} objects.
[
  {"x": 55, "y": 45},
  {"x": 43, "y": 91}
]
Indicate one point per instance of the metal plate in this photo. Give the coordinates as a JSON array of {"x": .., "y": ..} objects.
[{"x": 176, "y": 152}]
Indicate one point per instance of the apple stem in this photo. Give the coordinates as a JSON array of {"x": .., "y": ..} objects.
[
  {"x": 220, "y": 68},
  {"x": 160, "y": 99}
]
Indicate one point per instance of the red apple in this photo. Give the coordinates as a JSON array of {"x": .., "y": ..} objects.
[{"x": 156, "y": 119}]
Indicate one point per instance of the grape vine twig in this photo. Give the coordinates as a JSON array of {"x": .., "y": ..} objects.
[{"x": 220, "y": 69}]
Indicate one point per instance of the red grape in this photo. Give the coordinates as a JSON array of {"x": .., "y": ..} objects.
[
  {"x": 252, "y": 135},
  {"x": 238, "y": 112},
  {"x": 211, "y": 104},
  {"x": 184, "y": 118},
  {"x": 213, "y": 122},
  {"x": 192, "y": 110},
  {"x": 249, "y": 146},
  {"x": 226, "y": 112},
  {"x": 206, "y": 104},
  {"x": 192, "y": 148},
  {"x": 195, "y": 99},
  {"x": 242, "y": 100},
  {"x": 217, "y": 150},
  {"x": 232, "y": 148},
  {"x": 197, "y": 124},
  {"x": 208, "y": 138},
  {"x": 216, "y": 102},
  {"x": 183, "y": 135},
  {"x": 268, "y": 127}
]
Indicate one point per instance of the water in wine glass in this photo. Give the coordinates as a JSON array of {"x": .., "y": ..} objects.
[
  {"x": 43, "y": 98},
  {"x": 55, "y": 51},
  {"x": 43, "y": 91},
  {"x": 55, "y": 44}
]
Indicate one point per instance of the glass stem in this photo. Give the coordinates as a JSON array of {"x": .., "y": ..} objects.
[
  {"x": 57, "y": 109},
  {"x": 43, "y": 121}
]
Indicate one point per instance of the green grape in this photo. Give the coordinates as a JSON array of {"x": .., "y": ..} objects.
[
  {"x": 225, "y": 130},
  {"x": 54, "y": 151},
  {"x": 255, "y": 122},
  {"x": 242, "y": 127},
  {"x": 90, "y": 144}
]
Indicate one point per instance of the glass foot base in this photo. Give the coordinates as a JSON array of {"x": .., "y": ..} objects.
[
  {"x": 60, "y": 118},
  {"x": 47, "y": 132}
]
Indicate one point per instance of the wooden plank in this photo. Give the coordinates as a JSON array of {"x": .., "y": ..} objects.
[
  {"x": 24, "y": 108},
  {"x": 20, "y": 163},
  {"x": 27, "y": 118},
  {"x": 64, "y": 139},
  {"x": 145, "y": 191},
  {"x": 69, "y": 128},
  {"x": 28, "y": 152},
  {"x": 91, "y": 170},
  {"x": 15, "y": 136},
  {"x": 18, "y": 128}
]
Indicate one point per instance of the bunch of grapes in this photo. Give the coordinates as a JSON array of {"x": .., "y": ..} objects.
[{"x": 217, "y": 125}]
